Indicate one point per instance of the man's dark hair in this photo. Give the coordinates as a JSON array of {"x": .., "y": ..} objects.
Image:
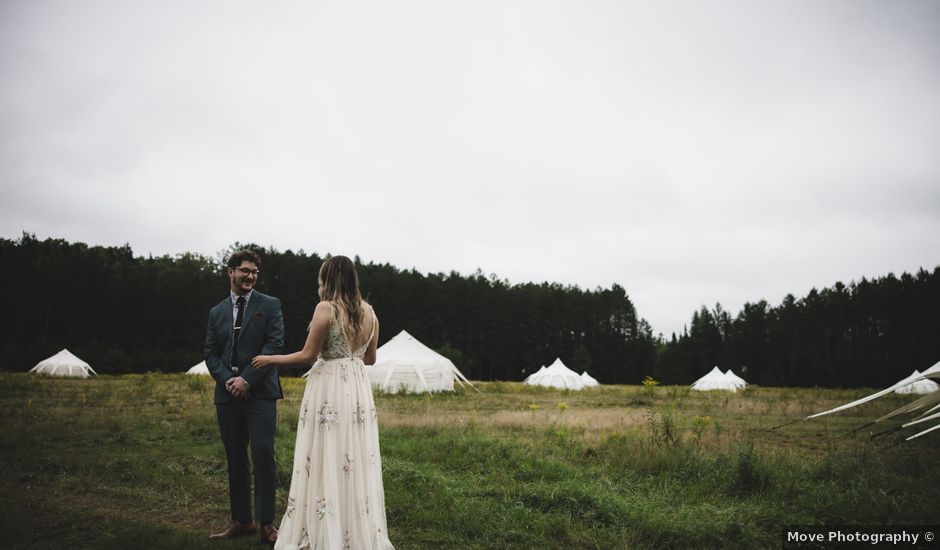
[{"x": 243, "y": 255}]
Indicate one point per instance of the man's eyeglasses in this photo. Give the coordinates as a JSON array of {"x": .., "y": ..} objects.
[{"x": 247, "y": 271}]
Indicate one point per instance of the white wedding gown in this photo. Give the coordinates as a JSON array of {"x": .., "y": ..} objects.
[{"x": 336, "y": 499}]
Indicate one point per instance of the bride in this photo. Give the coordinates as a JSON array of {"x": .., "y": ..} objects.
[{"x": 336, "y": 498}]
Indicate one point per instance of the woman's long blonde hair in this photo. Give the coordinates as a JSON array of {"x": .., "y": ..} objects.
[{"x": 339, "y": 283}]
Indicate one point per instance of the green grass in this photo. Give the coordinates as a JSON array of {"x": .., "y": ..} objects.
[{"x": 135, "y": 461}]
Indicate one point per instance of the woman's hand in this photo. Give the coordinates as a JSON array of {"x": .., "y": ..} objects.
[{"x": 261, "y": 361}]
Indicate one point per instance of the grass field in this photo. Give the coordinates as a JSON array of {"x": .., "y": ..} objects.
[{"x": 136, "y": 462}]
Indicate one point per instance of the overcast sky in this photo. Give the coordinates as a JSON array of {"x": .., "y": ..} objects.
[{"x": 692, "y": 152}]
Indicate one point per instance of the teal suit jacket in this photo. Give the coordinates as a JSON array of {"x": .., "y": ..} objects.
[{"x": 262, "y": 333}]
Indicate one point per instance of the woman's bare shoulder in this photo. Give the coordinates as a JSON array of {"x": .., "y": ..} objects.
[{"x": 321, "y": 316}]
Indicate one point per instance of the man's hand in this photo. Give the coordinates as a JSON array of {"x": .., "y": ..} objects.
[{"x": 237, "y": 387}]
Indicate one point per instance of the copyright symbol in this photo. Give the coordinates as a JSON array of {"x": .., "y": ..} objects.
[{"x": 928, "y": 536}]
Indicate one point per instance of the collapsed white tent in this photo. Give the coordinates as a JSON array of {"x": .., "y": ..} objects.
[
  {"x": 918, "y": 385},
  {"x": 557, "y": 375},
  {"x": 930, "y": 402},
  {"x": 737, "y": 380},
  {"x": 405, "y": 364},
  {"x": 64, "y": 363},
  {"x": 199, "y": 370},
  {"x": 589, "y": 381},
  {"x": 715, "y": 380}
]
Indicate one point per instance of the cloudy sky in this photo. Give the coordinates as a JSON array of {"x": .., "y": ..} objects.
[{"x": 692, "y": 152}]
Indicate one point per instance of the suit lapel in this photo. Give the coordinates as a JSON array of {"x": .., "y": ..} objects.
[
  {"x": 227, "y": 314},
  {"x": 250, "y": 309}
]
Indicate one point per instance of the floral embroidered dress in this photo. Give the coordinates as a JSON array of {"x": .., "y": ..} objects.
[{"x": 336, "y": 499}]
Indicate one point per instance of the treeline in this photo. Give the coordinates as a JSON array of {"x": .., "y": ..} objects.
[
  {"x": 123, "y": 314},
  {"x": 869, "y": 333}
]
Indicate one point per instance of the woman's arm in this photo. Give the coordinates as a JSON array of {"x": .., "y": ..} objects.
[
  {"x": 369, "y": 357},
  {"x": 319, "y": 327}
]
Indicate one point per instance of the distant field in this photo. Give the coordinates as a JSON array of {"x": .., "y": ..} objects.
[{"x": 135, "y": 462}]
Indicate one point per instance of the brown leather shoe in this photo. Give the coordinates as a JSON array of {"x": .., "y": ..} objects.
[
  {"x": 236, "y": 529},
  {"x": 268, "y": 533}
]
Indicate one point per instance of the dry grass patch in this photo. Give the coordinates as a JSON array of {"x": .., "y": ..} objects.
[{"x": 590, "y": 420}]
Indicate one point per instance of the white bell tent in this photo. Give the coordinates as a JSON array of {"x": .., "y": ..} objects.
[
  {"x": 64, "y": 363},
  {"x": 527, "y": 378},
  {"x": 589, "y": 381},
  {"x": 557, "y": 375},
  {"x": 715, "y": 380},
  {"x": 741, "y": 383},
  {"x": 199, "y": 370},
  {"x": 917, "y": 385},
  {"x": 405, "y": 364}
]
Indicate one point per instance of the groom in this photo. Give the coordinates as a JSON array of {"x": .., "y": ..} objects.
[{"x": 245, "y": 324}]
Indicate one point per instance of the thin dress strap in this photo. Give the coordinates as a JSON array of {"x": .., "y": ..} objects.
[{"x": 365, "y": 346}]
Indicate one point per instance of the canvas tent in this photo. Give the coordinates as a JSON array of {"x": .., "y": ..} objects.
[
  {"x": 199, "y": 370},
  {"x": 922, "y": 386},
  {"x": 589, "y": 381},
  {"x": 715, "y": 380},
  {"x": 527, "y": 378},
  {"x": 928, "y": 405},
  {"x": 64, "y": 363},
  {"x": 740, "y": 382},
  {"x": 557, "y": 375},
  {"x": 405, "y": 364}
]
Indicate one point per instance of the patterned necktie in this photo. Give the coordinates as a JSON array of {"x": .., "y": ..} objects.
[{"x": 240, "y": 302}]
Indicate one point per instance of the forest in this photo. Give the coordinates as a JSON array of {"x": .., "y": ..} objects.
[{"x": 128, "y": 314}]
